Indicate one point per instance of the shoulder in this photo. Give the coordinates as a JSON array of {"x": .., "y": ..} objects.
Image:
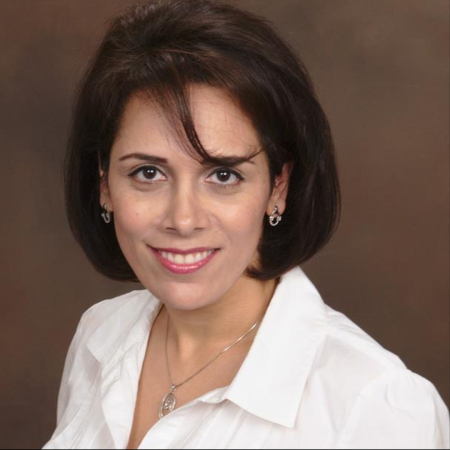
[
  {"x": 99, "y": 327},
  {"x": 104, "y": 327},
  {"x": 399, "y": 409},
  {"x": 125, "y": 305},
  {"x": 105, "y": 308},
  {"x": 355, "y": 346},
  {"x": 348, "y": 358},
  {"x": 382, "y": 401}
]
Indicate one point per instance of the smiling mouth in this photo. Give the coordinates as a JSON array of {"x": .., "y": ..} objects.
[
  {"x": 188, "y": 259},
  {"x": 184, "y": 264}
]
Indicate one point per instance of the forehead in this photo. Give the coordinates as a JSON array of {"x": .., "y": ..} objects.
[{"x": 219, "y": 122}]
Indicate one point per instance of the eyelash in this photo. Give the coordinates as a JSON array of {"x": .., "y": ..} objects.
[{"x": 223, "y": 169}]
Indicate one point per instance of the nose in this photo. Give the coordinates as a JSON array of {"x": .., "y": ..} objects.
[{"x": 186, "y": 212}]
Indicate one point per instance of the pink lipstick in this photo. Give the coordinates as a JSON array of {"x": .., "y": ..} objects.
[{"x": 181, "y": 269}]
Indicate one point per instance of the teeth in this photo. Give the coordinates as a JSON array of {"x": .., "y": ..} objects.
[{"x": 186, "y": 259}]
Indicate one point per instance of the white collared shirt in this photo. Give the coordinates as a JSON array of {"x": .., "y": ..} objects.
[{"x": 311, "y": 379}]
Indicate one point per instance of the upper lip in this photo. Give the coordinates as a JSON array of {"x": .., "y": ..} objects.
[{"x": 185, "y": 252}]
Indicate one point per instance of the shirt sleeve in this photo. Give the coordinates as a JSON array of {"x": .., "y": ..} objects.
[{"x": 398, "y": 410}]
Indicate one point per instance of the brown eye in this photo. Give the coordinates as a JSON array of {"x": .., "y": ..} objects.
[
  {"x": 148, "y": 173},
  {"x": 223, "y": 175}
]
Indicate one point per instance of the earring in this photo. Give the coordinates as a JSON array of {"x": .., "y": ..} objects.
[
  {"x": 106, "y": 214},
  {"x": 277, "y": 219}
]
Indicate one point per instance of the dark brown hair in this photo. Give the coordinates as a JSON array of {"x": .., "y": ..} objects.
[{"x": 157, "y": 49}]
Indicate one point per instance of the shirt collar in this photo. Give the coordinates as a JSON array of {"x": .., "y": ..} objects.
[
  {"x": 128, "y": 321},
  {"x": 272, "y": 378},
  {"x": 271, "y": 381}
]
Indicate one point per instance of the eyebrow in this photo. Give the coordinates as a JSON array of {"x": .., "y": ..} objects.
[{"x": 229, "y": 161}]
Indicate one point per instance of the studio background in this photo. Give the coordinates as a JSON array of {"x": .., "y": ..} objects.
[{"x": 381, "y": 70}]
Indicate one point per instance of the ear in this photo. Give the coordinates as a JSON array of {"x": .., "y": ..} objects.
[
  {"x": 280, "y": 190},
  {"x": 104, "y": 190}
]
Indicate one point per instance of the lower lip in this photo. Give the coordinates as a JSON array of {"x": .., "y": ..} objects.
[{"x": 183, "y": 268}]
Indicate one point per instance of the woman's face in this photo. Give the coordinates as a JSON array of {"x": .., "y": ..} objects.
[{"x": 184, "y": 205}]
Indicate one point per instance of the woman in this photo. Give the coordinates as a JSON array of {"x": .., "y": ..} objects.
[{"x": 202, "y": 165}]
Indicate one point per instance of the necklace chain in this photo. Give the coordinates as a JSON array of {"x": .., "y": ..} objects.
[
  {"x": 169, "y": 401},
  {"x": 174, "y": 387}
]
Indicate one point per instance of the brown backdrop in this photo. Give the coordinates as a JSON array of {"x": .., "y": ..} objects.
[{"x": 381, "y": 69}]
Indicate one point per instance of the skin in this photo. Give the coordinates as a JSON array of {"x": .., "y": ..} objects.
[{"x": 182, "y": 205}]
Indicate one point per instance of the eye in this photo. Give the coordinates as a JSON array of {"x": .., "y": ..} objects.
[
  {"x": 149, "y": 171},
  {"x": 221, "y": 177},
  {"x": 146, "y": 171}
]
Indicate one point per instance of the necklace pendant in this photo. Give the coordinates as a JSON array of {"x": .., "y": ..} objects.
[{"x": 168, "y": 403}]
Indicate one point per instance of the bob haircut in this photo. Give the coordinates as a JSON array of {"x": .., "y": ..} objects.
[{"x": 156, "y": 49}]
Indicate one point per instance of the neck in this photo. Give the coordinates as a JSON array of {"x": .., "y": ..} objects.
[{"x": 196, "y": 333}]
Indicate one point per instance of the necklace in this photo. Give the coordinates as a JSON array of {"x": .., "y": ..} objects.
[{"x": 169, "y": 401}]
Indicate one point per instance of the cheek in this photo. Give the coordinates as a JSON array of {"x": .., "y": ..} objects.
[
  {"x": 130, "y": 220},
  {"x": 243, "y": 224},
  {"x": 239, "y": 222},
  {"x": 131, "y": 226}
]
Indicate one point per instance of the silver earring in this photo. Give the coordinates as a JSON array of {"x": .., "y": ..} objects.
[
  {"x": 106, "y": 214},
  {"x": 276, "y": 219}
]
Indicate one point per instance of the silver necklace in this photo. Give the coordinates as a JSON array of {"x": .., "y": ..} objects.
[{"x": 169, "y": 401}]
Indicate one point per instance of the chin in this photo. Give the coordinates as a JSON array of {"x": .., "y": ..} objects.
[
  {"x": 184, "y": 304},
  {"x": 185, "y": 307}
]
